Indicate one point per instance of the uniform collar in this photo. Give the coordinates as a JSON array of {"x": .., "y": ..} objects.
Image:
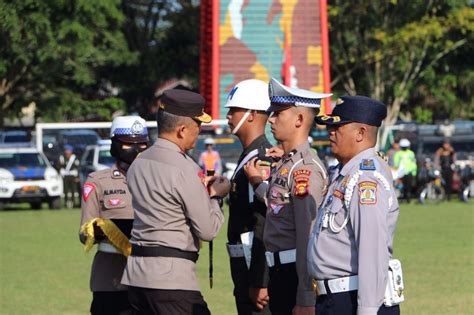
[
  {"x": 167, "y": 144},
  {"x": 368, "y": 153}
]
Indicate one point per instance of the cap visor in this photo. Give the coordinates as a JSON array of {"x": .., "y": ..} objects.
[
  {"x": 205, "y": 118},
  {"x": 278, "y": 107},
  {"x": 330, "y": 120}
]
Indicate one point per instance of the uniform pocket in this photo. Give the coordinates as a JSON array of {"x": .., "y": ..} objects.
[{"x": 115, "y": 202}]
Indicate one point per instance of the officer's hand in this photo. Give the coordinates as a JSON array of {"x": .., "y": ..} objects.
[
  {"x": 253, "y": 171},
  {"x": 303, "y": 310},
  {"x": 275, "y": 152},
  {"x": 220, "y": 186},
  {"x": 259, "y": 297}
]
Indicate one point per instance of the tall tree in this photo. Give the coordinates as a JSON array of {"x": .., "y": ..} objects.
[
  {"x": 165, "y": 34},
  {"x": 51, "y": 53},
  {"x": 398, "y": 50}
]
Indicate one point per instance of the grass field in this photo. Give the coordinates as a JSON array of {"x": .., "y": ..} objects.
[{"x": 43, "y": 269}]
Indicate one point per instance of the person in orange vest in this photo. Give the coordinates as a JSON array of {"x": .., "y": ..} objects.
[{"x": 210, "y": 159}]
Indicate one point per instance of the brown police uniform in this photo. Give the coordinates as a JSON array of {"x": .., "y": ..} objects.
[
  {"x": 173, "y": 212},
  {"x": 295, "y": 191},
  {"x": 106, "y": 195}
]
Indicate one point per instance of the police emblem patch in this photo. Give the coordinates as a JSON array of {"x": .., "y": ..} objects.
[
  {"x": 367, "y": 165},
  {"x": 284, "y": 172},
  {"x": 301, "y": 187},
  {"x": 87, "y": 190},
  {"x": 367, "y": 193},
  {"x": 137, "y": 127},
  {"x": 114, "y": 202}
]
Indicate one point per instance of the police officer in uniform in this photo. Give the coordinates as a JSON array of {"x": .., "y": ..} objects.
[
  {"x": 351, "y": 242},
  {"x": 293, "y": 194},
  {"x": 247, "y": 103},
  {"x": 69, "y": 170},
  {"x": 107, "y": 205},
  {"x": 174, "y": 209}
]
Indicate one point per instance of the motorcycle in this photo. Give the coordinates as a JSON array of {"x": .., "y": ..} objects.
[{"x": 431, "y": 184}]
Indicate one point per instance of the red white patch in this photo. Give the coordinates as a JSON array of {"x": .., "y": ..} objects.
[
  {"x": 87, "y": 190},
  {"x": 368, "y": 193},
  {"x": 114, "y": 202}
]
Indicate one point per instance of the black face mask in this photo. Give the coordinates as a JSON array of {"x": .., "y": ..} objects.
[{"x": 125, "y": 155}]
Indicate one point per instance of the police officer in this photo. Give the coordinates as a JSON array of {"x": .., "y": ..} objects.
[
  {"x": 69, "y": 170},
  {"x": 351, "y": 242},
  {"x": 107, "y": 206},
  {"x": 405, "y": 161},
  {"x": 173, "y": 212},
  {"x": 247, "y": 103},
  {"x": 294, "y": 192}
]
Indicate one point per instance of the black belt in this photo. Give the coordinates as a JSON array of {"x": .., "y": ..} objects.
[{"x": 163, "y": 251}]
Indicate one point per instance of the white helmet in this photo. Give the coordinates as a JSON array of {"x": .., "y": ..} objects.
[
  {"x": 405, "y": 143},
  {"x": 209, "y": 141},
  {"x": 249, "y": 94},
  {"x": 129, "y": 129}
]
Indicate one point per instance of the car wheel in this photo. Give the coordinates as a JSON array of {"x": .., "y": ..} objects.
[
  {"x": 55, "y": 203},
  {"x": 35, "y": 205}
]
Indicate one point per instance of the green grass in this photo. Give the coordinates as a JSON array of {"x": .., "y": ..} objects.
[{"x": 43, "y": 269}]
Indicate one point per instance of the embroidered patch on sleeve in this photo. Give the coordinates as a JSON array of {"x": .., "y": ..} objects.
[
  {"x": 301, "y": 187},
  {"x": 367, "y": 193},
  {"x": 302, "y": 172},
  {"x": 367, "y": 165},
  {"x": 87, "y": 190}
]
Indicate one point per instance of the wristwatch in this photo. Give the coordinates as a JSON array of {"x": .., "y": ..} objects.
[{"x": 219, "y": 199}]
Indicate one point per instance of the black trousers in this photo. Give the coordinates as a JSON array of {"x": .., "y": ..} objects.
[
  {"x": 282, "y": 289},
  {"x": 407, "y": 186},
  {"x": 110, "y": 303},
  {"x": 240, "y": 277},
  {"x": 345, "y": 303},
  {"x": 166, "y": 302},
  {"x": 447, "y": 175}
]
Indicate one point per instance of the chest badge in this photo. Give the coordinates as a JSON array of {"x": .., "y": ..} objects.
[
  {"x": 114, "y": 202},
  {"x": 284, "y": 172},
  {"x": 276, "y": 207}
]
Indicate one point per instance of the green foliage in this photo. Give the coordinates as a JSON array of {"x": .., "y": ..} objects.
[
  {"x": 51, "y": 53},
  {"x": 423, "y": 115},
  {"x": 404, "y": 52}
]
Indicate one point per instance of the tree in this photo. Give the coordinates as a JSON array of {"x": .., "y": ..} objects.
[
  {"x": 396, "y": 51},
  {"x": 165, "y": 35},
  {"x": 52, "y": 52}
]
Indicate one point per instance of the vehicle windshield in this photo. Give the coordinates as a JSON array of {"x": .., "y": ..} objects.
[
  {"x": 8, "y": 160},
  {"x": 105, "y": 158},
  {"x": 80, "y": 139}
]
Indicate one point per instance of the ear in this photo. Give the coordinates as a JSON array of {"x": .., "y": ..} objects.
[
  {"x": 252, "y": 116},
  {"x": 181, "y": 131},
  {"x": 299, "y": 120},
  {"x": 361, "y": 133}
]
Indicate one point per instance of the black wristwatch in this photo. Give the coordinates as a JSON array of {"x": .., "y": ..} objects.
[{"x": 219, "y": 199}]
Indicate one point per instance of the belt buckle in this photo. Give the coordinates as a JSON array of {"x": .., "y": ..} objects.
[{"x": 314, "y": 284}]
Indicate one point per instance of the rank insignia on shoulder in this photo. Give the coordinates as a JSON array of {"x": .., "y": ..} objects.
[
  {"x": 367, "y": 165},
  {"x": 382, "y": 155},
  {"x": 87, "y": 190},
  {"x": 302, "y": 172},
  {"x": 301, "y": 187},
  {"x": 284, "y": 172},
  {"x": 367, "y": 193},
  {"x": 116, "y": 173}
]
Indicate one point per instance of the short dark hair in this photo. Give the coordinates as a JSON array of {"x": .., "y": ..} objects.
[{"x": 167, "y": 122}]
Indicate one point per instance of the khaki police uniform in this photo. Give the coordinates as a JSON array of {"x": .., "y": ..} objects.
[
  {"x": 295, "y": 191},
  {"x": 172, "y": 210},
  {"x": 106, "y": 196}
]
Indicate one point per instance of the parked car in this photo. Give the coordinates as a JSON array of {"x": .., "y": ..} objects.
[
  {"x": 95, "y": 158},
  {"x": 27, "y": 176}
]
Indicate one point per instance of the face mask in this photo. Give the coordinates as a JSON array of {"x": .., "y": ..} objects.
[{"x": 125, "y": 155}]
